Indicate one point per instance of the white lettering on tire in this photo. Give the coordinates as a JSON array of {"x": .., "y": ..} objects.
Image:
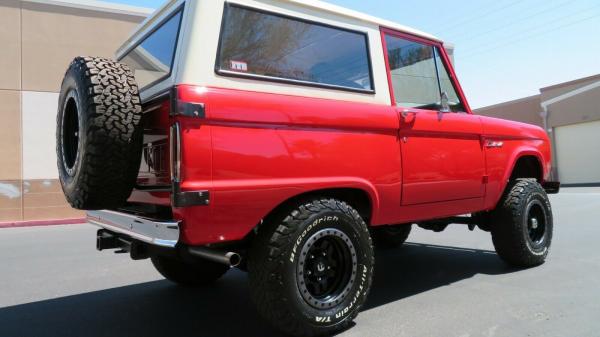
[
  {"x": 343, "y": 312},
  {"x": 307, "y": 230}
]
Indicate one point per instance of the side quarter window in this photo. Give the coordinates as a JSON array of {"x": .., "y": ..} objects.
[
  {"x": 419, "y": 76},
  {"x": 273, "y": 47},
  {"x": 152, "y": 60}
]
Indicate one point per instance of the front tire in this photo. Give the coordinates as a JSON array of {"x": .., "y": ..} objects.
[
  {"x": 310, "y": 269},
  {"x": 522, "y": 224},
  {"x": 189, "y": 274},
  {"x": 388, "y": 237}
]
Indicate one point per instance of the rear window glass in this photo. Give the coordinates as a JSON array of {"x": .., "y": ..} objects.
[
  {"x": 152, "y": 60},
  {"x": 275, "y": 47}
]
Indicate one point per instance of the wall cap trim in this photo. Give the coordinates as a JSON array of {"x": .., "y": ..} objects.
[{"x": 99, "y": 6}]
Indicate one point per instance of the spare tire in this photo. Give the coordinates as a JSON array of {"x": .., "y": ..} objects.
[{"x": 98, "y": 133}]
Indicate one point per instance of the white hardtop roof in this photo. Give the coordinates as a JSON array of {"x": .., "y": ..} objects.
[
  {"x": 314, "y": 4},
  {"x": 327, "y": 7}
]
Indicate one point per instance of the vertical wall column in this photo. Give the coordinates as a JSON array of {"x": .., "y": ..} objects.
[{"x": 10, "y": 110}]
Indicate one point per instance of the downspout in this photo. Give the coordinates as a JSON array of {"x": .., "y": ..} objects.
[{"x": 550, "y": 131}]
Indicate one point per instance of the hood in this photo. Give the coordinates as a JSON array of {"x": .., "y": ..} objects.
[{"x": 511, "y": 129}]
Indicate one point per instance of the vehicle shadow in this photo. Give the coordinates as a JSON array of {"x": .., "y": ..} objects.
[{"x": 161, "y": 309}]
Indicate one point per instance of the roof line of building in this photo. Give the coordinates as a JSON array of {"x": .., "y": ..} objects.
[
  {"x": 570, "y": 94},
  {"x": 509, "y": 102},
  {"x": 100, "y": 6},
  {"x": 579, "y": 80}
]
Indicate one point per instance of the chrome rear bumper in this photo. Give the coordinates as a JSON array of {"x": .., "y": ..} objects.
[{"x": 159, "y": 233}]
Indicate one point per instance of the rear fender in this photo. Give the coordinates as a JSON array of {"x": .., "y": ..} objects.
[{"x": 237, "y": 207}]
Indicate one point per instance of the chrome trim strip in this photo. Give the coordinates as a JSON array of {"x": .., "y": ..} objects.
[
  {"x": 159, "y": 233},
  {"x": 292, "y": 81}
]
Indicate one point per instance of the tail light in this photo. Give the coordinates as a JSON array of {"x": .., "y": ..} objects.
[{"x": 186, "y": 106}]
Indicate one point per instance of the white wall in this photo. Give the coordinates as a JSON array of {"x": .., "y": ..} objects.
[{"x": 39, "y": 139}]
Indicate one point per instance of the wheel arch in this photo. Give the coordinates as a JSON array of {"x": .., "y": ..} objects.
[
  {"x": 524, "y": 164},
  {"x": 527, "y": 165},
  {"x": 364, "y": 199},
  {"x": 358, "y": 198}
]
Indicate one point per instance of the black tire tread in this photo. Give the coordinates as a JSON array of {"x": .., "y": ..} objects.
[
  {"x": 195, "y": 274},
  {"x": 388, "y": 240},
  {"x": 112, "y": 152},
  {"x": 506, "y": 229}
]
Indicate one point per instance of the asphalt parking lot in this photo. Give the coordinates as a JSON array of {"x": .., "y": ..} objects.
[{"x": 451, "y": 284}]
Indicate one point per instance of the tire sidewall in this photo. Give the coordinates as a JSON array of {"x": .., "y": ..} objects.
[
  {"x": 71, "y": 88},
  {"x": 349, "y": 306}
]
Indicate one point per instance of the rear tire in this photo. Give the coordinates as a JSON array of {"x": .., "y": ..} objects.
[
  {"x": 522, "y": 224},
  {"x": 98, "y": 133},
  {"x": 198, "y": 273},
  {"x": 310, "y": 269}
]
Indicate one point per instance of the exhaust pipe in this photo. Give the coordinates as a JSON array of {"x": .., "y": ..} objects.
[{"x": 231, "y": 259}]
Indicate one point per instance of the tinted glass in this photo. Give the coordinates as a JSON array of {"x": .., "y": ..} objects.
[
  {"x": 415, "y": 68},
  {"x": 276, "y": 47},
  {"x": 447, "y": 86},
  {"x": 414, "y": 75},
  {"x": 153, "y": 58}
]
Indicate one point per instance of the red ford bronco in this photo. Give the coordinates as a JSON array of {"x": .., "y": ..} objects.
[{"x": 287, "y": 138}]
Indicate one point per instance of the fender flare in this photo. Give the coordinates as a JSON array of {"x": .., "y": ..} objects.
[
  {"x": 315, "y": 185},
  {"x": 530, "y": 152}
]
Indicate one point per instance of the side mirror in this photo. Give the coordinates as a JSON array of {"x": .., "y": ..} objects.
[{"x": 445, "y": 102}]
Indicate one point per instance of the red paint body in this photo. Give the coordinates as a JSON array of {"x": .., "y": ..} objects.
[{"x": 253, "y": 151}]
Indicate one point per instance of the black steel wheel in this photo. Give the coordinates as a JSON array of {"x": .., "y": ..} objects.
[
  {"x": 536, "y": 223},
  {"x": 522, "y": 224},
  {"x": 326, "y": 268},
  {"x": 310, "y": 268},
  {"x": 70, "y": 132}
]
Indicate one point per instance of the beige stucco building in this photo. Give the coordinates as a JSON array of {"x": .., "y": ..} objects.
[
  {"x": 39, "y": 38},
  {"x": 570, "y": 112}
]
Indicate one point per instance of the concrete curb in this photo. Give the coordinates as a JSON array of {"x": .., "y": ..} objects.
[{"x": 40, "y": 223}]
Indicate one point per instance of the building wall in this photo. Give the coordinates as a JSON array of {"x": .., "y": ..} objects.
[
  {"x": 562, "y": 88},
  {"x": 525, "y": 110},
  {"x": 39, "y": 40},
  {"x": 577, "y": 152},
  {"x": 581, "y": 108}
]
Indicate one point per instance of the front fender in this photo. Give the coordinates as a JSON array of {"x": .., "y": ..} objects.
[{"x": 499, "y": 173}]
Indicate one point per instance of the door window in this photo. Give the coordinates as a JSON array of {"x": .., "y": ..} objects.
[
  {"x": 447, "y": 86},
  {"x": 419, "y": 77}
]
